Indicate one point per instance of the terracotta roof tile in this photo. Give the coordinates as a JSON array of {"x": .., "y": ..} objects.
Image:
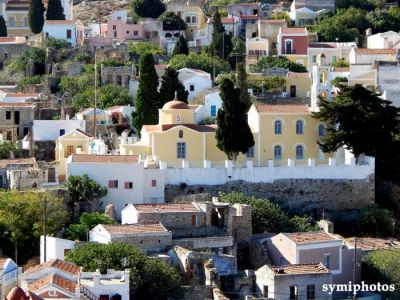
[
  {"x": 249, "y": 17},
  {"x": 367, "y": 243},
  {"x": 310, "y": 237},
  {"x": 134, "y": 228},
  {"x": 18, "y": 104},
  {"x": 341, "y": 69},
  {"x": 84, "y": 132},
  {"x": 9, "y": 40},
  {"x": 94, "y": 158},
  {"x": 55, "y": 279},
  {"x": 282, "y": 109},
  {"x": 278, "y": 21},
  {"x": 294, "y": 30},
  {"x": 67, "y": 267},
  {"x": 300, "y": 269},
  {"x": 27, "y": 95},
  {"x": 165, "y": 208},
  {"x": 298, "y": 75},
  {"x": 366, "y": 51}
]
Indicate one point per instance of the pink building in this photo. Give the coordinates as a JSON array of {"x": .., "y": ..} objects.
[
  {"x": 313, "y": 247},
  {"x": 116, "y": 31},
  {"x": 293, "y": 41}
]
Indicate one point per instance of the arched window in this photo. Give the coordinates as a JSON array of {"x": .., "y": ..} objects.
[
  {"x": 321, "y": 130},
  {"x": 299, "y": 152},
  {"x": 299, "y": 127},
  {"x": 278, "y": 127},
  {"x": 277, "y": 152},
  {"x": 180, "y": 134}
]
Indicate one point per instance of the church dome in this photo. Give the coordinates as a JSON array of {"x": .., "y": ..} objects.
[
  {"x": 176, "y": 104},
  {"x": 16, "y": 293}
]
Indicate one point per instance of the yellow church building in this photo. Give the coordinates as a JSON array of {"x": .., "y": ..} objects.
[{"x": 280, "y": 132}]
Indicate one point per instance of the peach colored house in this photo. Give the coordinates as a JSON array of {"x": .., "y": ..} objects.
[{"x": 312, "y": 247}]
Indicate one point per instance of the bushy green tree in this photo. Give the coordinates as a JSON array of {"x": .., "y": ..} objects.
[
  {"x": 382, "y": 20},
  {"x": 147, "y": 8},
  {"x": 36, "y": 16},
  {"x": 375, "y": 222},
  {"x": 169, "y": 85},
  {"x": 6, "y": 148},
  {"x": 201, "y": 61},
  {"x": 53, "y": 43},
  {"x": 140, "y": 48},
  {"x": 146, "y": 103},
  {"x": 171, "y": 21},
  {"x": 181, "y": 47},
  {"x": 87, "y": 221},
  {"x": 267, "y": 62},
  {"x": 55, "y": 10},
  {"x": 75, "y": 85},
  {"x": 233, "y": 133},
  {"x": 349, "y": 114},
  {"x": 269, "y": 217},
  {"x": 82, "y": 188},
  {"x": 149, "y": 278},
  {"x": 3, "y": 26},
  {"x": 24, "y": 82},
  {"x": 21, "y": 217}
]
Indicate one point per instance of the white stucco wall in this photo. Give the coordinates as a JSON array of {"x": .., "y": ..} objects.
[
  {"x": 55, "y": 247},
  {"x": 49, "y": 130}
]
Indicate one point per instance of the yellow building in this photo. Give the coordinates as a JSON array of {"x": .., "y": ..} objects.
[
  {"x": 298, "y": 84},
  {"x": 15, "y": 13},
  {"x": 73, "y": 142},
  {"x": 280, "y": 132}
]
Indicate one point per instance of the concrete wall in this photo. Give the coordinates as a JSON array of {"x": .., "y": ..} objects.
[{"x": 55, "y": 248}]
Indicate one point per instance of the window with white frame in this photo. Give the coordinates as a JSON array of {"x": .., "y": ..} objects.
[
  {"x": 299, "y": 152},
  {"x": 277, "y": 152},
  {"x": 181, "y": 150},
  {"x": 278, "y": 127},
  {"x": 299, "y": 127}
]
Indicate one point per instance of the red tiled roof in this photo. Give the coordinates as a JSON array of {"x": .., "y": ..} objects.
[
  {"x": 249, "y": 17},
  {"x": 228, "y": 20},
  {"x": 309, "y": 237},
  {"x": 55, "y": 279},
  {"x": 21, "y": 161},
  {"x": 366, "y": 51},
  {"x": 294, "y": 30},
  {"x": 8, "y": 40},
  {"x": 283, "y": 109},
  {"x": 56, "y": 263},
  {"x": 298, "y": 75},
  {"x": 341, "y": 69},
  {"x": 322, "y": 45},
  {"x": 134, "y": 228},
  {"x": 300, "y": 269},
  {"x": 165, "y": 208},
  {"x": 84, "y": 132},
  {"x": 18, "y": 104},
  {"x": 31, "y": 95},
  {"x": 94, "y": 158},
  {"x": 367, "y": 243},
  {"x": 199, "y": 128}
]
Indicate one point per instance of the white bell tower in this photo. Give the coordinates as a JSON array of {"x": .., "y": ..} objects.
[{"x": 321, "y": 81}]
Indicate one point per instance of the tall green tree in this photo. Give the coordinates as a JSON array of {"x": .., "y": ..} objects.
[
  {"x": 82, "y": 188},
  {"x": 171, "y": 21},
  {"x": 359, "y": 119},
  {"x": 241, "y": 83},
  {"x": 148, "y": 278},
  {"x": 3, "y": 26},
  {"x": 87, "y": 221},
  {"x": 147, "y": 8},
  {"x": 169, "y": 85},
  {"x": 221, "y": 43},
  {"x": 147, "y": 96},
  {"x": 233, "y": 133},
  {"x": 55, "y": 10},
  {"x": 36, "y": 15},
  {"x": 181, "y": 47}
]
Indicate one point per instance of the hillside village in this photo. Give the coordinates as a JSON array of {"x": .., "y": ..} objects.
[{"x": 220, "y": 149}]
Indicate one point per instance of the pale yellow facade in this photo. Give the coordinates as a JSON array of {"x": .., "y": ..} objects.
[
  {"x": 165, "y": 140},
  {"x": 301, "y": 83},
  {"x": 73, "y": 142},
  {"x": 297, "y": 58}
]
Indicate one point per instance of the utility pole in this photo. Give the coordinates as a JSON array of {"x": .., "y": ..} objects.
[
  {"x": 45, "y": 230},
  {"x": 95, "y": 95}
]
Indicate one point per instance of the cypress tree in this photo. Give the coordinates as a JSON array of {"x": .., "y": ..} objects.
[
  {"x": 35, "y": 15},
  {"x": 241, "y": 84},
  {"x": 181, "y": 47},
  {"x": 233, "y": 133},
  {"x": 55, "y": 10},
  {"x": 169, "y": 85},
  {"x": 3, "y": 27},
  {"x": 221, "y": 44},
  {"x": 147, "y": 96}
]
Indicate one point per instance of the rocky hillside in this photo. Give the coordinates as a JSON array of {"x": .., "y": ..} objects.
[{"x": 88, "y": 11}]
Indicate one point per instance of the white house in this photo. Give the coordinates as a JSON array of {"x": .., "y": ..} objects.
[
  {"x": 51, "y": 130},
  {"x": 194, "y": 81},
  {"x": 112, "y": 284},
  {"x": 303, "y": 16},
  {"x": 125, "y": 176},
  {"x": 384, "y": 40},
  {"x": 71, "y": 31},
  {"x": 9, "y": 276},
  {"x": 364, "y": 56},
  {"x": 148, "y": 237},
  {"x": 212, "y": 103},
  {"x": 56, "y": 248}
]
